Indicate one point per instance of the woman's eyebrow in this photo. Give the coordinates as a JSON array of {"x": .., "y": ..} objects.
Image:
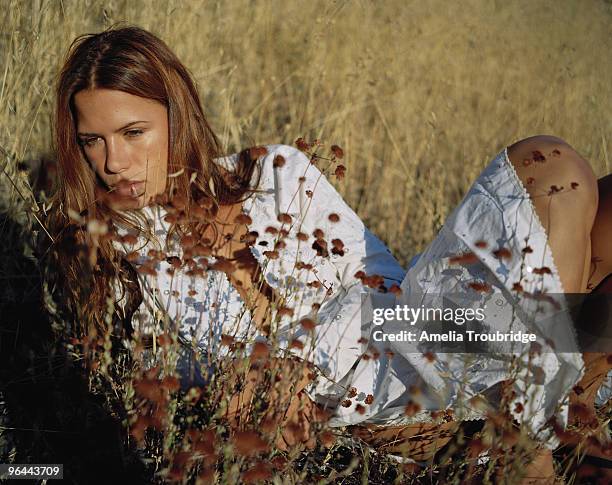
[{"x": 116, "y": 131}]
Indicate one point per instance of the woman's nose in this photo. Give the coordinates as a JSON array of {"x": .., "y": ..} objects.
[{"x": 116, "y": 156}]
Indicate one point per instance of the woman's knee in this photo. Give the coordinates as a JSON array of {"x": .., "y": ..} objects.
[
  {"x": 564, "y": 192},
  {"x": 549, "y": 166}
]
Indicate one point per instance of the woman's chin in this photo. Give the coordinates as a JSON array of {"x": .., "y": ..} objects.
[{"x": 119, "y": 202}]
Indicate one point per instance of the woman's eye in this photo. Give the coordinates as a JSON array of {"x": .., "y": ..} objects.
[
  {"x": 133, "y": 133},
  {"x": 88, "y": 142}
]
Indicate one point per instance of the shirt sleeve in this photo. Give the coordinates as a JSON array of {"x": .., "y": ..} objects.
[{"x": 342, "y": 252}]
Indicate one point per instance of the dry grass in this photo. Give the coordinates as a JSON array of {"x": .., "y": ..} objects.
[{"x": 421, "y": 95}]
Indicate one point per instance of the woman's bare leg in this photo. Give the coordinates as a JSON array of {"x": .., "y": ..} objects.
[
  {"x": 570, "y": 244},
  {"x": 601, "y": 235},
  {"x": 289, "y": 409},
  {"x": 578, "y": 222},
  {"x": 567, "y": 215},
  {"x": 596, "y": 363}
]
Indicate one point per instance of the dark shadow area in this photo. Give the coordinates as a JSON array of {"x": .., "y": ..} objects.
[{"x": 49, "y": 416}]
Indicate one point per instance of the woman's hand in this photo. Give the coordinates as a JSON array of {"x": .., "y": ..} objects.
[{"x": 289, "y": 414}]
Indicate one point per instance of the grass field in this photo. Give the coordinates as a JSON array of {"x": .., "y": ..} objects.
[{"x": 420, "y": 95}]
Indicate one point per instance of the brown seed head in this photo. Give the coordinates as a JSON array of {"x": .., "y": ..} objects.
[
  {"x": 279, "y": 161},
  {"x": 247, "y": 443},
  {"x": 337, "y": 151}
]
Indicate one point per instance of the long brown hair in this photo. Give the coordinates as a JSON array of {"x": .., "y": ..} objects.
[{"x": 83, "y": 264}]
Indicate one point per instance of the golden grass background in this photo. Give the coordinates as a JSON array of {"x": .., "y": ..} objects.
[{"x": 421, "y": 95}]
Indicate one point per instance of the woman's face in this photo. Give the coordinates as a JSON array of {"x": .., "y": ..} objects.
[{"x": 125, "y": 139}]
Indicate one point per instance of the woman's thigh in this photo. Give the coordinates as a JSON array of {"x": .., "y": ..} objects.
[{"x": 564, "y": 192}]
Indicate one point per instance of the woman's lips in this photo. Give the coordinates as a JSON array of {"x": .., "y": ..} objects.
[{"x": 129, "y": 188}]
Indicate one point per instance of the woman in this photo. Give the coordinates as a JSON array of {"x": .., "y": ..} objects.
[{"x": 258, "y": 247}]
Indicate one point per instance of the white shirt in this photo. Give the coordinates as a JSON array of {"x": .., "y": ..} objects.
[{"x": 497, "y": 204}]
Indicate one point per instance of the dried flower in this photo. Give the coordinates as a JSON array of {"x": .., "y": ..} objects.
[
  {"x": 411, "y": 408},
  {"x": 247, "y": 443},
  {"x": 243, "y": 219},
  {"x": 285, "y": 310},
  {"x": 429, "y": 356},
  {"x": 538, "y": 157},
  {"x": 223, "y": 265},
  {"x": 147, "y": 270},
  {"x": 308, "y": 324},
  {"x": 201, "y": 250},
  {"x": 296, "y": 344},
  {"x": 227, "y": 339},
  {"x": 327, "y": 438},
  {"x": 279, "y": 161},
  {"x": 302, "y": 145},
  {"x": 129, "y": 239},
  {"x": 338, "y": 248},
  {"x": 480, "y": 286},
  {"x": 170, "y": 383},
  {"x": 340, "y": 172},
  {"x": 320, "y": 246},
  {"x": 188, "y": 241},
  {"x": 179, "y": 202},
  {"x": 502, "y": 253},
  {"x": 164, "y": 340},
  {"x": 337, "y": 151},
  {"x": 465, "y": 258},
  {"x": 259, "y": 472},
  {"x": 542, "y": 270},
  {"x": 257, "y": 152},
  {"x": 284, "y": 218},
  {"x": 260, "y": 350}
]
